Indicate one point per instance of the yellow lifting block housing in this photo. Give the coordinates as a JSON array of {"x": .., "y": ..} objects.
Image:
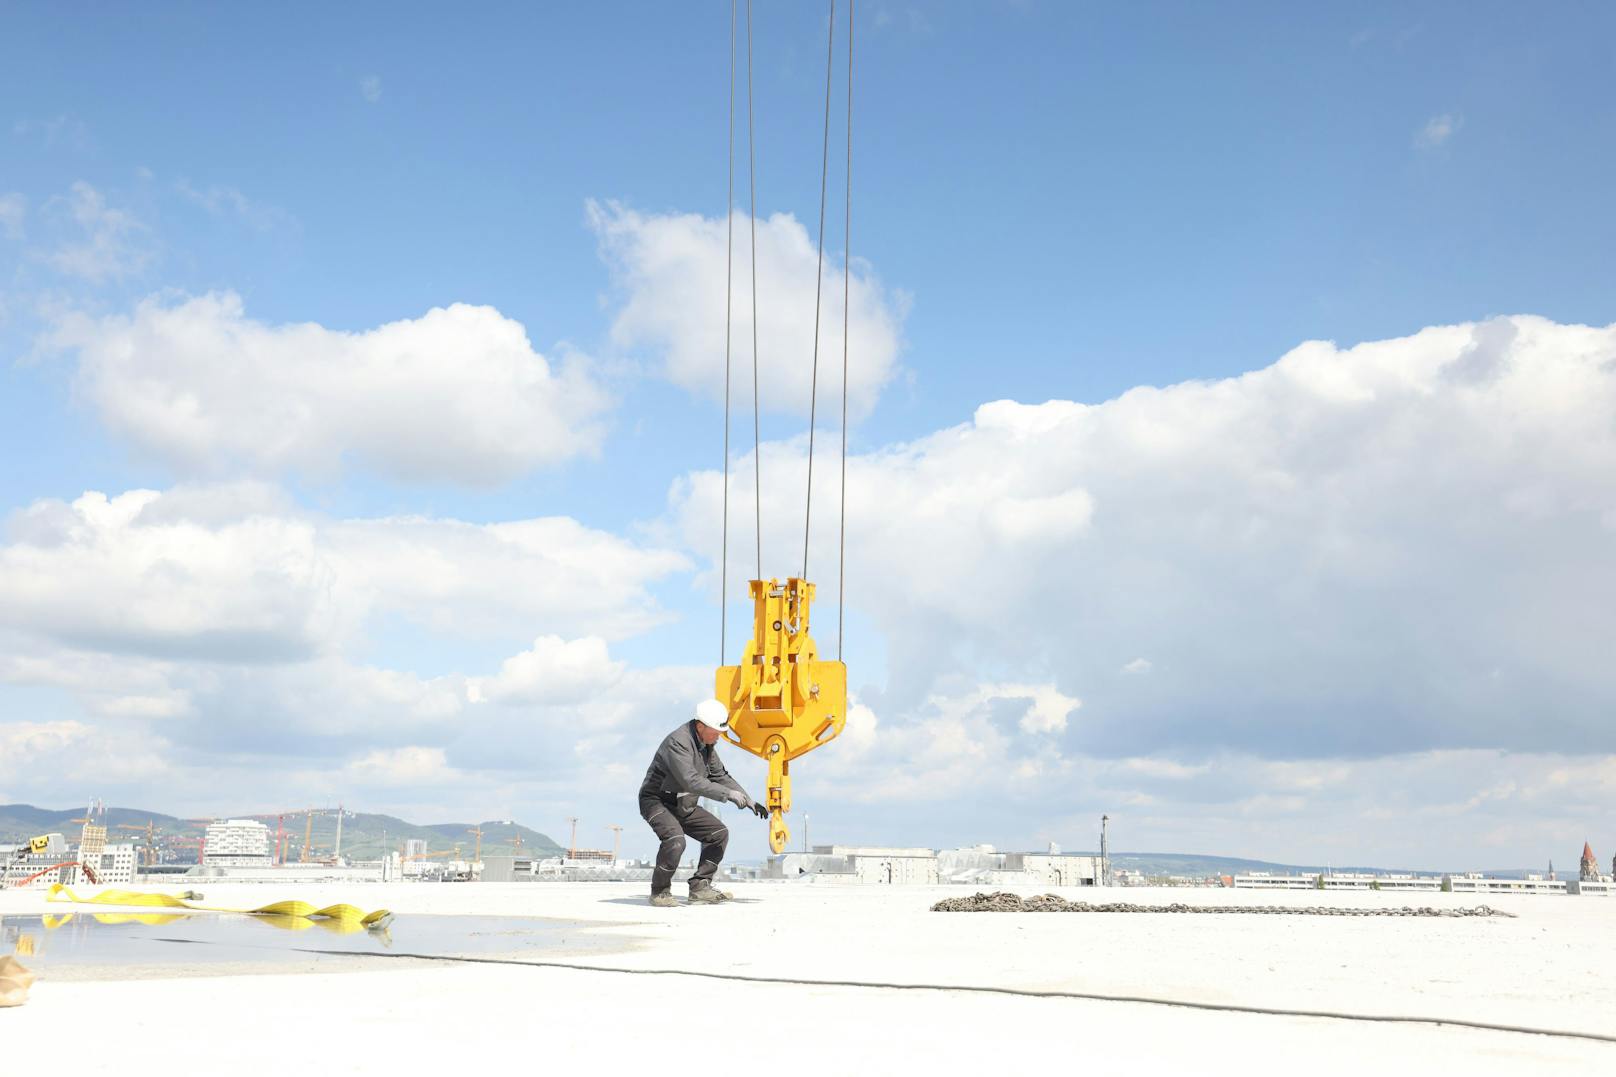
[{"x": 783, "y": 700}]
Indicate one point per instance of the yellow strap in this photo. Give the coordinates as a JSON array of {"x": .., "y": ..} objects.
[{"x": 145, "y": 900}]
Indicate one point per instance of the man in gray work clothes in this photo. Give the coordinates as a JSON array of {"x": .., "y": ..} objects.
[{"x": 685, "y": 768}]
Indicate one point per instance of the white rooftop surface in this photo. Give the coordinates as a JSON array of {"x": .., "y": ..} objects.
[{"x": 1553, "y": 967}]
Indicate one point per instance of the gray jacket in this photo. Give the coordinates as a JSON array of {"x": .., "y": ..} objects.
[{"x": 684, "y": 768}]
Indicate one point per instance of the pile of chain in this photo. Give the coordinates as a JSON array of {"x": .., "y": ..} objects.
[{"x": 1004, "y": 902}]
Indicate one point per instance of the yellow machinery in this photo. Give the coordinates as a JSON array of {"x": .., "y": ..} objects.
[{"x": 783, "y": 700}]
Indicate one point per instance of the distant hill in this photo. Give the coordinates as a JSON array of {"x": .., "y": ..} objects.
[
  {"x": 364, "y": 836},
  {"x": 25, "y": 820}
]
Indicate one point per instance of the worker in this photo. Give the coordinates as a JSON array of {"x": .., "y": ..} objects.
[{"x": 686, "y": 767}]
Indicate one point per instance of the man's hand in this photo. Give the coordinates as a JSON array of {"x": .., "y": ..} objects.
[
  {"x": 760, "y": 810},
  {"x": 740, "y": 799}
]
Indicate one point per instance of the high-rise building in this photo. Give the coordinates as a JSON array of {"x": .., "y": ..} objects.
[{"x": 239, "y": 842}]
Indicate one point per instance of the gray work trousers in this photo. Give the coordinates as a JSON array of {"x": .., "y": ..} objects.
[{"x": 672, "y": 827}]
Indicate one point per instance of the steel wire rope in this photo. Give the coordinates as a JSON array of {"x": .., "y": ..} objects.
[
  {"x": 847, "y": 273},
  {"x": 729, "y": 291},
  {"x": 819, "y": 288},
  {"x": 751, "y": 180},
  {"x": 974, "y": 989}
]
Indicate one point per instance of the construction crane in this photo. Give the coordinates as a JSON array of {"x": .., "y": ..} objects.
[
  {"x": 200, "y": 843},
  {"x": 572, "y": 843},
  {"x": 617, "y": 836},
  {"x": 477, "y": 850},
  {"x": 783, "y": 699},
  {"x": 283, "y": 843},
  {"x": 149, "y": 850}
]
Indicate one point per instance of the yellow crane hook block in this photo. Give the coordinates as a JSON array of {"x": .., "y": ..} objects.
[{"x": 783, "y": 700}]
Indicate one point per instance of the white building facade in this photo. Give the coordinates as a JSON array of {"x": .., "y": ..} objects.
[
  {"x": 857, "y": 865},
  {"x": 113, "y": 865},
  {"x": 236, "y": 842}
]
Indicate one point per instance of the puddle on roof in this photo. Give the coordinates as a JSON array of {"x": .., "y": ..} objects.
[{"x": 81, "y": 940}]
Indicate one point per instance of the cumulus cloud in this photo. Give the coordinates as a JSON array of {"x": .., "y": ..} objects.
[
  {"x": 904, "y": 778},
  {"x": 1387, "y": 548},
  {"x": 52, "y": 755},
  {"x": 410, "y": 766},
  {"x": 103, "y": 242},
  {"x": 231, "y": 573},
  {"x": 95, "y": 575},
  {"x": 671, "y": 270},
  {"x": 457, "y": 395},
  {"x": 554, "y": 670}
]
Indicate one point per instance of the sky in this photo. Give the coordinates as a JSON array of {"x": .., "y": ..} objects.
[{"x": 1231, "y": 440}]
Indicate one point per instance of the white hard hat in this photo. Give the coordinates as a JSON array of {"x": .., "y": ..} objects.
[{"x": 713, "y": 714}]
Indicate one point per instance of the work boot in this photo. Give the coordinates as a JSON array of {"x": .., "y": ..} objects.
[
  {"x": 707, "y": 895},
  {"x": 664, "y": 900}
]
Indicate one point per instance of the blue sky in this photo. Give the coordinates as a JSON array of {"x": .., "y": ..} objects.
[{"x": 1052, "y": 202}]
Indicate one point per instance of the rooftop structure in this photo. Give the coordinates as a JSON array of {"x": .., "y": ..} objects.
[
  {"x": 1458, "y": 884},
  {"x": 14, "y": 869},
  {"x": 980, "y": 865}
]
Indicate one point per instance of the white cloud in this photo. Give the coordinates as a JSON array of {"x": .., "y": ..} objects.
[
  {"x": 554, "y": 670},
  {"x": 100, "y": 575},
  {"x": 671, "y": 268},
  {"x": 231, "y": 574},
  {"x": 1137, "y": 665},
  {"x": 1329, "y": 555},
  {"x": 13, "y": 209},
  {"x": 976, "y": 740},
  {"x": 107, "y": 243},
  {"x": 948, "y": 766},
  {"x": 408, "y": 766},
  {"x": 52, "y": 756},
  {"x": 1437, "y": 131},
  {"x": 457, "y": 395},
  {"x": 370, "y": 88}
]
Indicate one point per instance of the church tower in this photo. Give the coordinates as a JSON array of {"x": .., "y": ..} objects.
[{"x": 1590, "y": 866}]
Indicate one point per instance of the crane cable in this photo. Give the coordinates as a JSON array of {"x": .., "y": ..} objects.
[
  {"x": 751, "y": 179},
  {"x": 729, "y": 290},
  {"x": 847, "y": 270},
  {"x": 847, "y": 283},
  {"x": 819, "y": 287},
  {"x": 813, "y": 404}
]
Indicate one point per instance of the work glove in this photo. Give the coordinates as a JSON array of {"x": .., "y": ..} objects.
[
  {"x": 740, "y": 799},
  {"x": 759, "y": 810}
]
